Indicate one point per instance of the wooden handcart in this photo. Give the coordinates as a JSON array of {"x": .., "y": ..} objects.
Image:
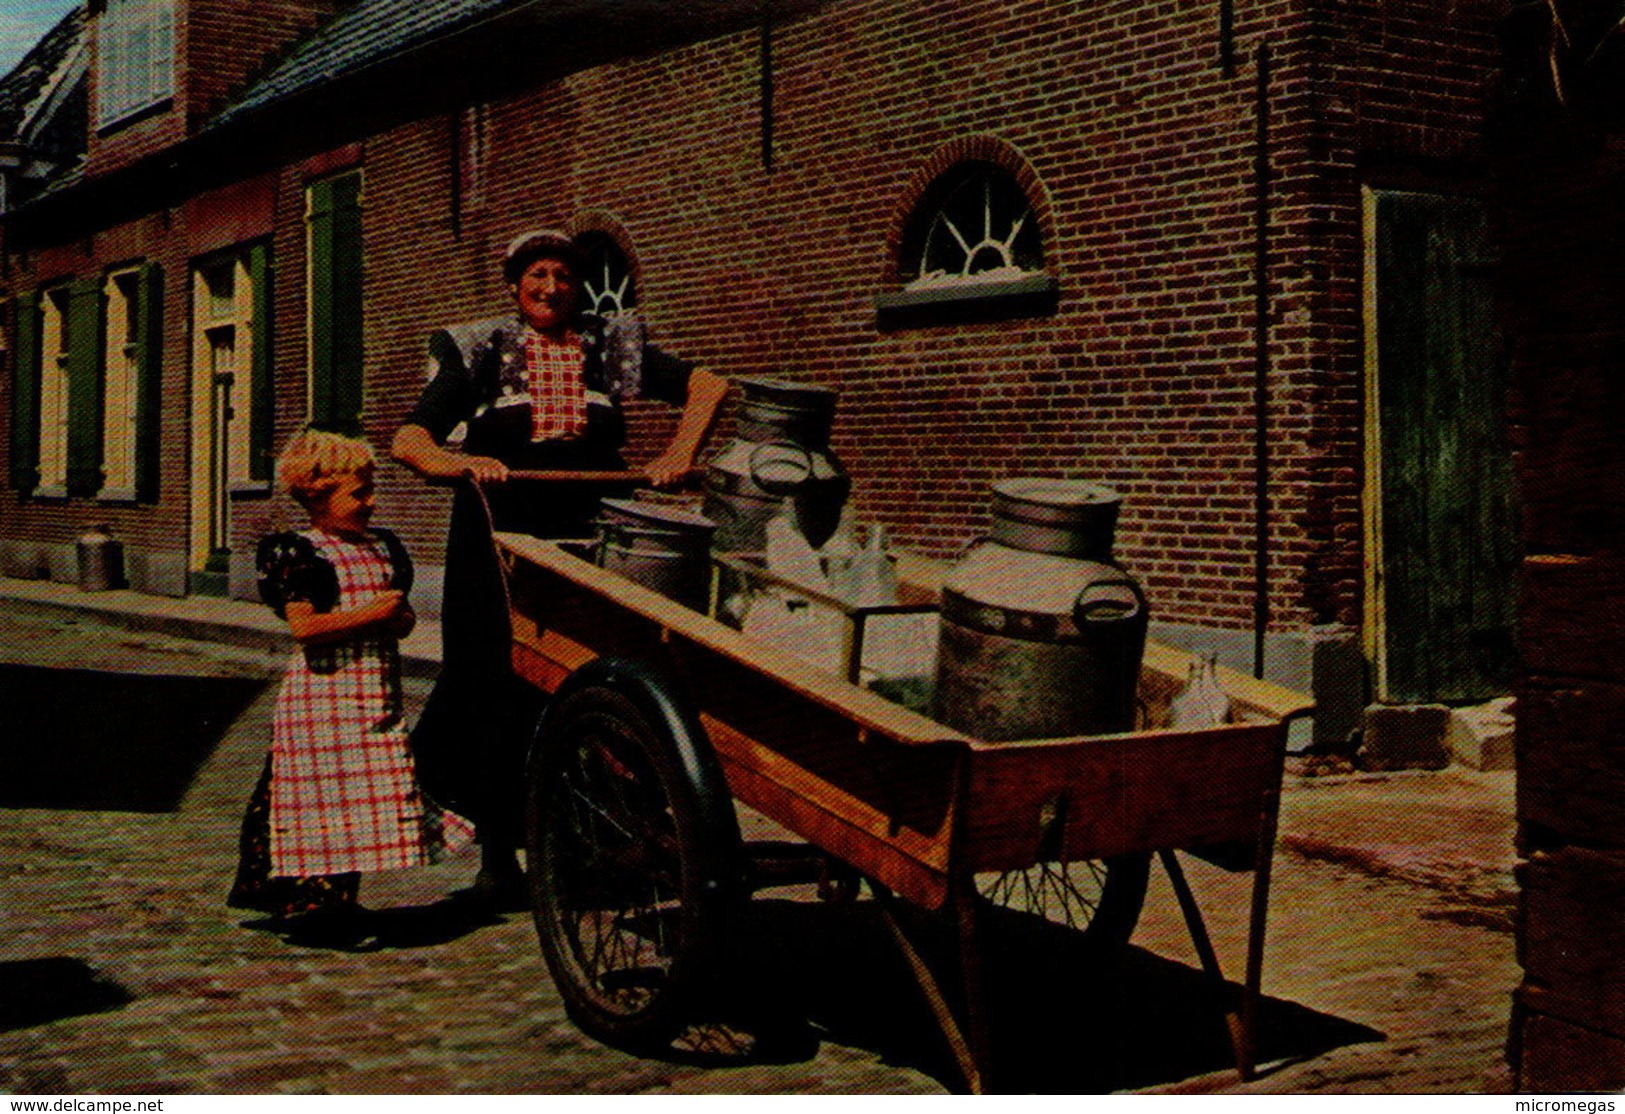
[{"x": 661, "y": 716}]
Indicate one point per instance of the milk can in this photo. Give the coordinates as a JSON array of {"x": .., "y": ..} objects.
[
  {"x": 780, "y": 451},
  {"x": 101, "y": 560},
  {"x": 1042, "y": 633},
  {"x": 665, "y": 548}
]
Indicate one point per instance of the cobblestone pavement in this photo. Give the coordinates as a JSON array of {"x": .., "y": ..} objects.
[{"x": 121, "y": 970}]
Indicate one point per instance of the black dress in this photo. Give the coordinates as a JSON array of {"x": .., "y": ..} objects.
[{"x": 471, "y": 740}]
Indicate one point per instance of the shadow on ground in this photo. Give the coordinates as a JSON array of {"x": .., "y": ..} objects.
[
  {"x": 1064, "y": 1016},
  {"x": 81, "y": 739},
  {"x": 401, "y": 927},
  {"x": 37, "y": 991}
]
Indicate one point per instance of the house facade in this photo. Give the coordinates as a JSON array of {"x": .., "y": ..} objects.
[{"x": 1226, "y": 257}]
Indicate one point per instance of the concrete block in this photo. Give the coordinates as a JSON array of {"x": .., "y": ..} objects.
[
  {"x": 1404, "y": 737},
  {"x": 22, "y": 560},
  {"x": 1481, "y": 737},
  {"x": 243, "y": 582},
  {"x": 63, "y": 563},
  {"x": 1338, "y": 677},
  {"x": 157, "y": 574}
]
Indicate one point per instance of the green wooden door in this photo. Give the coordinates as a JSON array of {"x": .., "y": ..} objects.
[{"x": 1448, "y": 553}]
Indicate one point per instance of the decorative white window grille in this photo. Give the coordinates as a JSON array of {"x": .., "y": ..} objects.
[
  {"x": 135, "y": 57},
  {"x": 975, "y": 227},
  {"x": 607, "y": 284}
]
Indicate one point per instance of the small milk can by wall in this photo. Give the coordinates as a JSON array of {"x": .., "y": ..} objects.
[
  {"x": 1042, "y": 632},
  {"x": 101, "y": 560}
]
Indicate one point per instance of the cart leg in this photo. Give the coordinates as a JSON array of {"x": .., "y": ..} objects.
[
  {"x": 963, "y": 894},
  {"x": 1262, "y": 864},
  {"x": 969, "y": 1066},
  {"x": 1237, "y": 1022}
]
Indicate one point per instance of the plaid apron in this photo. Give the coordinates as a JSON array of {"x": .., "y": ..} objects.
[{"x": 344, "y": 793}]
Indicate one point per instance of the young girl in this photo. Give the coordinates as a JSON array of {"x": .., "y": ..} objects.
[{"x": 339, "y": 794}]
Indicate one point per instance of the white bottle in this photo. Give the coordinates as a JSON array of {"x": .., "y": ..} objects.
[{"x": 1202, "y": 702}]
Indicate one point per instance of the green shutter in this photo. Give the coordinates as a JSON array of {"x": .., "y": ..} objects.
[
  {"x": 25, "y": 389},
  {"x": 261, "y": 400},
  {"x": 149, "y": 333},
  {"x": 335, "y": 304},
  {"x": 85, "y": 387}
]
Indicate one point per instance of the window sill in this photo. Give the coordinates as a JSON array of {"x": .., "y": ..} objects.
[
  {"x": 50, "y": 493},
  {"x": 135, "y": 116},
  {"x": 250, "y": 489},
  {"x": 116, "y": 495},
  {"x": 1034, "y": 296}
]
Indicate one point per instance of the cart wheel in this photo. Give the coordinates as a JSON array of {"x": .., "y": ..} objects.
[
  {"x": 633, "y": 850},
  {"x": 1099, "y": 897}
]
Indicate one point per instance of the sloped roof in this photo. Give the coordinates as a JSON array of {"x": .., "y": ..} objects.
[
  {"x": 32, "y": 79},
  {"x": 369, "y": 31}
]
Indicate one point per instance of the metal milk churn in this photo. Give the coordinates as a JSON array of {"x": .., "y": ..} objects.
[
  {"x": 780, "y": 451},
  {"x": 101, "y": 560},
  {"x": 1042, "y": 634},
  {"x": 665, "y": 548}
]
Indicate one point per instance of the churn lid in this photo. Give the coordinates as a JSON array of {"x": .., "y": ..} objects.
[{"x": 1063, "y": 517}]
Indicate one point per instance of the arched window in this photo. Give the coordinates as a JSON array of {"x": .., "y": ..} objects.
[
  {"x": 979, "y": 228},
  {"x": 607, "y": 281},
  {"x": 971, "y": 248}
]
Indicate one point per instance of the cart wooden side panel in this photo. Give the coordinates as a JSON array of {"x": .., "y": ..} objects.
[
  {"x": 900, "y": 797},
  {"x": 1095, "y": 797},
  {"x": 864, "y": 779}
]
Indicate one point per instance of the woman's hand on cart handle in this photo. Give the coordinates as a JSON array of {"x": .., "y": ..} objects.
[
  {"x": 671, "y": 469},
  {"x": 416, "y": 448},
  {"x": 483, "y": 470}
]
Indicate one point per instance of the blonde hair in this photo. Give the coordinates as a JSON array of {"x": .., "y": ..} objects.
[{"x": 315, "y": 461}]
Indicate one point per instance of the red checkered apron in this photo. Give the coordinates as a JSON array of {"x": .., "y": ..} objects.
[
  {"x": 344, "y": 794},
  {"x": 553, "y": 368}
]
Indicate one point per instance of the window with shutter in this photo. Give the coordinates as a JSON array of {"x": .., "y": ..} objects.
[
  {"x": 333, "y": 216},
  {"x": 84, "y": 387},
  {"x": 25, "y": 393},
  {"x": 149, "y": 334},
  {"x": 121, "y": 361},
  {"x": 55, "y": 351},
  {"x": 135, "y": 57}
]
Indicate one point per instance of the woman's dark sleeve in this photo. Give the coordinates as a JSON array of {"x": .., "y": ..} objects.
[
  {"x": 291, "y": 570},
  {"x": 449, "y": 396},
  {"x": 665, "y": 377}
]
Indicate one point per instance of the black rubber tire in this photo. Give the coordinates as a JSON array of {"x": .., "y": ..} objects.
[
  {"x": 633, "y": 852},
  {"x": 1101, "y": 898}
]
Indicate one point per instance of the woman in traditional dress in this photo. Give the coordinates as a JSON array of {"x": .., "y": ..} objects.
[{"x": 539, "y": 389}]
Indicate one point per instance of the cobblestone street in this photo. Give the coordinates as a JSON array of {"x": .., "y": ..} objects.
[{"x": 122, "y": 970}]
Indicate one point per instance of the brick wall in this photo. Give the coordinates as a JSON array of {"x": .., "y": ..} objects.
[
  {"x": 1560, "y": 224},
  {"x": 220, "y": 47},
  {"x": 1139, "y": 155},
  {"x": 143, "y": 135},
  {"x": 231, "y": 42},
  {"x": 146, "y": 530}
]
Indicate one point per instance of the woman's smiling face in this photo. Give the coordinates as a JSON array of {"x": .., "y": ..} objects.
[{"x": 546, "y": 294}]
